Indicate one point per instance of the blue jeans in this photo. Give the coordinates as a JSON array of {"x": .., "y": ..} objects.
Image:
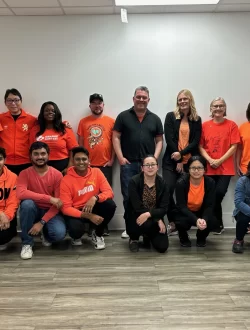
[
  {"x": 126, "y": 173},
  {"x": 54, "y": 230}
]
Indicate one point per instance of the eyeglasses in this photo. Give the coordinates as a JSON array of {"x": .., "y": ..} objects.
[
  {"x": 12, "y": 100},
  {"x": 198, "y": 168},
  {"x": 149, "y": 165},
  {"x": 218, "y": 106}
]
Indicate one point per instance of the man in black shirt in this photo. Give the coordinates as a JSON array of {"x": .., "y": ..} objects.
[{"x": 137, "y": 132}]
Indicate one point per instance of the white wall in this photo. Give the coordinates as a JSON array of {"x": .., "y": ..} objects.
[{"x": 65, "y": 59}]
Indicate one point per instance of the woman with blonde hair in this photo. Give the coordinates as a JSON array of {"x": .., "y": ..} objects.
[
  {"x": 219, "y": 140},
  {"x": 182, "y": 134}
]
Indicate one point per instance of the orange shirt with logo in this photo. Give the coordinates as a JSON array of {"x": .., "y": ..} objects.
[
  {"x": 59, "y": 144},
  {"x": 216, "y": 139},
  {"x": 196, "y": 196},
  {"x": 14, "y": 137},
  {"x": 245, "y": 140},
  {"x": 97, "y": 138}
]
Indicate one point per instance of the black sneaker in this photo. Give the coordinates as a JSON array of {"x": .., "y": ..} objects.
[
  {"x": 146, "y": 244},
  {"x": 184, "y": 239},
  {"x": 219, "y": 231},
  {"x": 238, "y": 246},
  {"x": 133, "y": 246},
  {"x": 106, "y": 231},
  {"x": 201, "y": 242}
]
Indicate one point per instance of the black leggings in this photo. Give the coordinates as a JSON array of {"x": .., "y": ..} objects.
[
  {"x": 149, "y": 228},
  {"x": 76, "y": 226},
  {"x": 241, "y": 225}
]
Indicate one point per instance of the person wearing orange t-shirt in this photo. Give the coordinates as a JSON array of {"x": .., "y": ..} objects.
[
  {"x": 8, "y": 203},
  {"x": 243, "y": 150},
  {"x": 218, "y": 144},
  {"x": 87, "y": 198},
  {"x": 52, "y": 131},
  {"x": 95, "y": 134},
  {"x": 15, "y": 130},
  {"x": 195, "y": 194}
]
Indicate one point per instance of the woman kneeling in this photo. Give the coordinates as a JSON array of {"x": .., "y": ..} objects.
[
  {"x": 147, "y": 206},
  {"x": 194, "y": 203}
]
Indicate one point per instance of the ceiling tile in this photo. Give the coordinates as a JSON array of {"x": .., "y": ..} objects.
[
  {"x": 87, "y": 3},
  {"x": 38, "y": 11},
  {"x": 2, "y": 4},
  {"x": 235, "y": 2},
  {"x": 5, "y": 12},
  {"x": 142, "y": 9},
  {"x": 88, "y": 10},
  {"x": 190, "y": 9},
  {"x": 233, "y": 8},
  {"x": 32, "y": 3}
]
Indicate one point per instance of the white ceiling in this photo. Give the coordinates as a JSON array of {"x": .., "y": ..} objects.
[{"x": 104, "y": 7}]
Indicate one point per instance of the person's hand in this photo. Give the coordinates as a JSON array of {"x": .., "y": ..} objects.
[
  {"x": 96, "y": 219},
  {"x": 109, "y": 163},
  {"x": 67, "y": 124},
  {"x": 88, "y": 207},
  {"x": 179, "y": 168},
  {"x": 238, "y": 170},
  {"x": 176, "y": 156},
  {"x": 35, "y": 230},
  {"x": 123, "y": 161},
  {"x": 64, "y": 172},
  {"x": 162, "y": 227},
  {"x": 4, "y": 221},
  {"x": 201, "y": 224},
  {"x": 56, "y": 202},
  {"x": 142, "y": 218},
  {"x": 216, "y": 163}
]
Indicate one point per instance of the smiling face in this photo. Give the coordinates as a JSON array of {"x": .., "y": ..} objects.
[
  {"x": 150, "y": 166},
  {"x": 183, "y": 103},
  {"x": 81, "y": 163},
  {"x": 196, "y": 169},
  {"x": 49, "y": 113},
  {"x": 39, "y": 157},
  {"x": 218, "y": 109},
  {"x": 141, "y": 100},
  {"x": 14, "y": 104},
  {"x": 96, "y": 107}
]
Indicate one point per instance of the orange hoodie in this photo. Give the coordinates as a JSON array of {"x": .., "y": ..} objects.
[
  {"x": 76, "y": 190},
  {"x": 8, "y": 200}
]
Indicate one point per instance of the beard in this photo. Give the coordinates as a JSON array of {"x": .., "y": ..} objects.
[
  {"x": 97, "y": 112},
  {"x": 40, "y": 165}
]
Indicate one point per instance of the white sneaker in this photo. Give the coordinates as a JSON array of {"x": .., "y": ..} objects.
[
  {"x": 45, "y": 242},
  {"x": 98, "y": 241},
  {"x": 124, "y": 234},
  {"x": 3, "y": 247},
  {"x": 26, "y": 252},
  {"x": 76, "y": 241}
]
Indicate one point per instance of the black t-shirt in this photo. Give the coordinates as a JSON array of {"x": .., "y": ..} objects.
[{"x": 138, "y": 138}]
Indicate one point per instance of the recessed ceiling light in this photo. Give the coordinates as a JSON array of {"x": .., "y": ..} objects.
[{"x": 164, "y": 2}]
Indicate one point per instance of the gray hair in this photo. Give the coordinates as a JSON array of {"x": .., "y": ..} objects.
[{"x": 142, "y": 88}]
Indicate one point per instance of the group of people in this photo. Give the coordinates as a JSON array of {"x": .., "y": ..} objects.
[{"x": 64, "y": 185}]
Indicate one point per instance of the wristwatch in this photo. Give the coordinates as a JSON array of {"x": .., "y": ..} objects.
[{"x": 43, "y": 222}]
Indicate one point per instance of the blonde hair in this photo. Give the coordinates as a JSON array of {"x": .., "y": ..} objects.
[
  {"x": 218, "y": 99},
  {"x": 193, "y": 112}
]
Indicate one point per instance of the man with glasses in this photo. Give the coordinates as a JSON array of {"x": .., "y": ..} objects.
[
  {"x": 14, "y": 132},
  {"x": 95, "y": 134},
  {"x": 137, "y": 133}
]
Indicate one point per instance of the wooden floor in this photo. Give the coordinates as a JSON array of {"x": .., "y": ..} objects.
[{"x": 73, "y": 288}]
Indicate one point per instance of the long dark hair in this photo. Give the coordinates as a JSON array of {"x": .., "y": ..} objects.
[{"x": 58, "y": 125}]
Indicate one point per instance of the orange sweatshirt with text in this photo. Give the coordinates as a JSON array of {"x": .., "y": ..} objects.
[
  {"x": 8, "y": 199},
  {"x": 76, "y": 190}
]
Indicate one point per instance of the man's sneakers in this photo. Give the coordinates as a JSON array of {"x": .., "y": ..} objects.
[
  {"x": 97, "y": 241},
  {"x": 238, "y": 246},
  {"x": 76, "y": 241},
  {"x": 184, "y": 239},
  {"x": 26, "y": 252},
  {"x": 124, "y": 234},
  {"x": 133, "y": 246},
  {"x": 219, "y": 231},
  {"x": 45, "y": 242}
]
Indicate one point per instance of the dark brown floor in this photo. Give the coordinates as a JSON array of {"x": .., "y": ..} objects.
[{"x": 73, "y": 288}]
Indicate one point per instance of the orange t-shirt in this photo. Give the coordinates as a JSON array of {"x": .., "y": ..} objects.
[
  {"x": 216, "y": 139},
  {"x": 183, "y": 140},
  {"x": 59, "y": 144},
  {"x": 97, "y": 138},
  {"x": 245, "y": 140},
  {"x": 14, "y": 137},
  {"x": 196, "y": 196}
]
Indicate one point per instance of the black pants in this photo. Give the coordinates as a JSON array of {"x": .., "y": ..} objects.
[
  {"x": 221, "y": 186},
  {"x": 76, "y": 226},
  {"x": 184, "y": 223},
  {"x": 151, "y": 229},
  {"x": 7, "y": 235},
  {"x": 18, "y": 168},
  {"x": 107, "y": 171},
  {"x": 171, "y": 177},
  {"x": 59, "y": 165},
  {"x": 241, "y": 225}
]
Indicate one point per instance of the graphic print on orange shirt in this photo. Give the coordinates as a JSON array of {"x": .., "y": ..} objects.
[{"x": 95, "y": 135}]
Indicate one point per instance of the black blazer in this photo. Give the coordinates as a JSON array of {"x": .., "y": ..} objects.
[
  {"x": 171, "y": 129},
  {"x": 135, "y": 205},
  {"x": 181, "y": 193}
]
